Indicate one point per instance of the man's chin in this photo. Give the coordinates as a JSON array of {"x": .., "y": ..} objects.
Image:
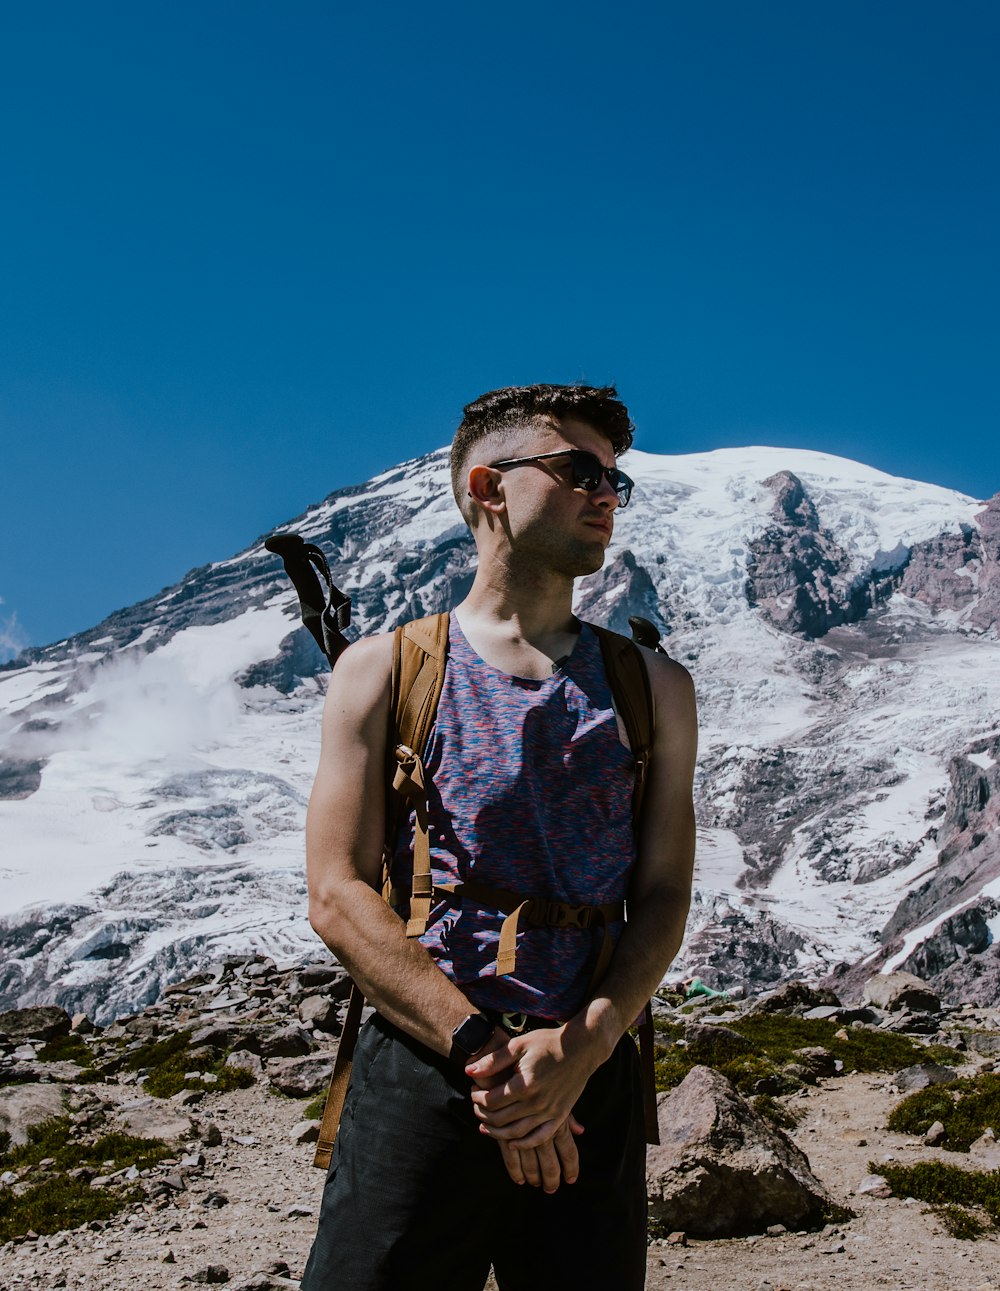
[{"x": 590, "y": 562}]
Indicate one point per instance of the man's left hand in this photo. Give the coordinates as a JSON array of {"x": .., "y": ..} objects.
[{"x": 527, "y": 1088}]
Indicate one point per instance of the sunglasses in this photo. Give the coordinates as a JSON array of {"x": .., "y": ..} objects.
[{"x": 588, "y": 471}]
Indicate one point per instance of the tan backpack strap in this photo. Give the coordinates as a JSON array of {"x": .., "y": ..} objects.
[
  {"x": 420, "y": 657},
  {"x": 629, "y": 682},
  {"x": 535, "y": 912},
  {"x": 337, "y": 1092}
]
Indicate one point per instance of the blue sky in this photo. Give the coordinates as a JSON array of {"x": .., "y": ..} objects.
[{"x": 251, "y": 252}]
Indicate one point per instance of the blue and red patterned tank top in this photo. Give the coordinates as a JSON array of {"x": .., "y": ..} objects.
[{"x": 530, "y": 789}]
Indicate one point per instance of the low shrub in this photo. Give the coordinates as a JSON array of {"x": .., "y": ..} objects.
[
  {"x": 59, "y": 1203},
  {"x": 780, "y": 1114},
  {"x": 775, "y": 1037},
  {"x": 313, "y": 1110},
  {"x": 59, "y": 1139},
  {"x": 67, "y": 1048},
  {"x": 959, "y": 1222},
  {"x": 167, "y": 1062},
  {"x": 964, "y": 1118},
  {"x": 944, "y": 1185}
]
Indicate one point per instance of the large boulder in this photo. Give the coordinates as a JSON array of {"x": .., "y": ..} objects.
[
  {"x": 796, "y": 997},
  {"x": 43, "y": 1022},
  {"x": 895, "y": 991},
  {"x": 923, "y": 1075},
  {"x": 300, "y": 1077},
  {"x": 151, "y": 1118},
  {"x": 292, "y": 1041},
  {"x": 713, "y": 1045},
  {"x": 721, "y": 1170}
]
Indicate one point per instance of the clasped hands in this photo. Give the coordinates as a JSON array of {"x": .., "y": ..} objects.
[{"x": 524, "y": 1091}]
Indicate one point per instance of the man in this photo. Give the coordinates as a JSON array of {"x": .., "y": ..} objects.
[{"x": 463, "y": 1144}]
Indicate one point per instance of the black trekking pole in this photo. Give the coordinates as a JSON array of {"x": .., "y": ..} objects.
[{"x": 325, "y": 609}]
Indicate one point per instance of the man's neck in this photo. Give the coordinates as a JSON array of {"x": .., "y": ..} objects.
[{"x": 523, "y": 630}]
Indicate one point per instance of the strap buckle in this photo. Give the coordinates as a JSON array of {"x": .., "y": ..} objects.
[
  {"x": 514, "y": 1023},
  {"x": 560, "y": 915}
]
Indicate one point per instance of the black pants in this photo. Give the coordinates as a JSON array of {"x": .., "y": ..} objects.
[{"x": 417, "y": 1199}]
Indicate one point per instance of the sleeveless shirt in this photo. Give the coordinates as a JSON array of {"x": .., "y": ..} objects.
[{"x": 529, "y": 789}]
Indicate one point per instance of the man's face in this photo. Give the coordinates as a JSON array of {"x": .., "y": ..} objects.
[{"x": 549, "y": 521}]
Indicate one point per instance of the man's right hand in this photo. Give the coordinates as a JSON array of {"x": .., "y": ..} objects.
[{"x": 555, "y": 1162}]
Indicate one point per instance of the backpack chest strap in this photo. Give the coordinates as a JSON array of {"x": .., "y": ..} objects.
[{"x": 535, "y": 912}]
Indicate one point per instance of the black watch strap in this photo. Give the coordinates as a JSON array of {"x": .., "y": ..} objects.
[{"x": 470, "y": 1036}]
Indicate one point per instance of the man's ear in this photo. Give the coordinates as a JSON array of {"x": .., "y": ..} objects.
[{"x": 486, "y": 487}]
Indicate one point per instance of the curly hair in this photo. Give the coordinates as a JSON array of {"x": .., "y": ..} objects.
[{"x": 504, "y": 412}]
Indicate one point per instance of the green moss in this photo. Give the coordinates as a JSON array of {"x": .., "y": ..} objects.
[
  {"x": 67, "y": 1048},
  {"x": 153, "y": 1053},
  {"x": 59, "y": 1203},
  {"x": 964, "y": 1119},
  {"x": 55, "y": 1201},
  {"x": 775, "y": 1037},
  {"x": 313, "y": 1110},
  {"x": 168, "y": 1060},
  {"x": 59, "y": 1138},
  {"x": 944, "y": 1185},
  {"x": 169, "y": 1078}
]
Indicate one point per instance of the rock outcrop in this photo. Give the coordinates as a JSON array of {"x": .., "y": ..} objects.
[
  {"x": 799, "y": 576},
  {"x": 721, "y": 1170}
]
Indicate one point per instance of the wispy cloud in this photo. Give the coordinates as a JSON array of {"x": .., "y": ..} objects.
[{"x": 12, "y": 638}]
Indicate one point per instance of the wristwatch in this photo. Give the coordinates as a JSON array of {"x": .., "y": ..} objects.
[{"x": 470, "y": 1036}]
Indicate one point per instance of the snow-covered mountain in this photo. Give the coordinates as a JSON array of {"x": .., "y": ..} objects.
[{"x": 842, "y": 629}]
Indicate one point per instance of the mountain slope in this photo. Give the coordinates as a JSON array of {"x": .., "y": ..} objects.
[{"x": 841, "y": 626}]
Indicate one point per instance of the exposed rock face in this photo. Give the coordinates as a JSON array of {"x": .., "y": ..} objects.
[
  {"x": 956, "y": 955},
  {"x": 960, "y": 572},
  {"x": 721, "y": 1170},
  {"x": 20, "y": 777},
  {"x": 622, "y": 587},
  {"x": 744, "y": 950},
  {"x": 298, "y": 658},
  {"x": 798, "y": 575},
  {"x": 966, "y": 933}
]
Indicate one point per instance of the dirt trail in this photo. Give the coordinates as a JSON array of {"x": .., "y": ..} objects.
[{"x": 273, "y": 1196}]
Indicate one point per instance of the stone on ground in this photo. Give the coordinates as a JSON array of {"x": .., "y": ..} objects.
[{"x": 721, "y": 1169}]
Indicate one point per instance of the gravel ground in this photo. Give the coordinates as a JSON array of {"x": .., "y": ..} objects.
[{"x": 262, "y": 1234}]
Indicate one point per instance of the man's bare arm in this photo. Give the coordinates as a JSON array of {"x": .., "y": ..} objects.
[
  {"x": 528, "y": 1085},
  {"x": 344, "y": 837}
]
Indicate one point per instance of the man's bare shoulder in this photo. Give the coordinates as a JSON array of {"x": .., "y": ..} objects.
[
  {"x": 669, "y": 680},
  {"x": 360, "y": 679}
]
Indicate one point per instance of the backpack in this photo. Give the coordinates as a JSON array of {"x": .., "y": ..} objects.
[
  {"x": 420, "y": 652},
  {"x": 419, "y": 659}
]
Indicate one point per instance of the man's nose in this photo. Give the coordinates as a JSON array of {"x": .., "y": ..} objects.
[{"x": 605, "y": 494}]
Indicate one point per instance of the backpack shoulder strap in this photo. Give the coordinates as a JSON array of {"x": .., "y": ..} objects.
[
  {"x": 419, "y": 656},
  {"x": 630, "y": 689}
]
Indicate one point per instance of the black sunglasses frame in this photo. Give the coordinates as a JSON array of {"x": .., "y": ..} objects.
[{"x": 587, "y": 471}]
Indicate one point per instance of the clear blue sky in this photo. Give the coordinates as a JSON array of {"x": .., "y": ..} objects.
[{"x": 250, "y": 252}]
